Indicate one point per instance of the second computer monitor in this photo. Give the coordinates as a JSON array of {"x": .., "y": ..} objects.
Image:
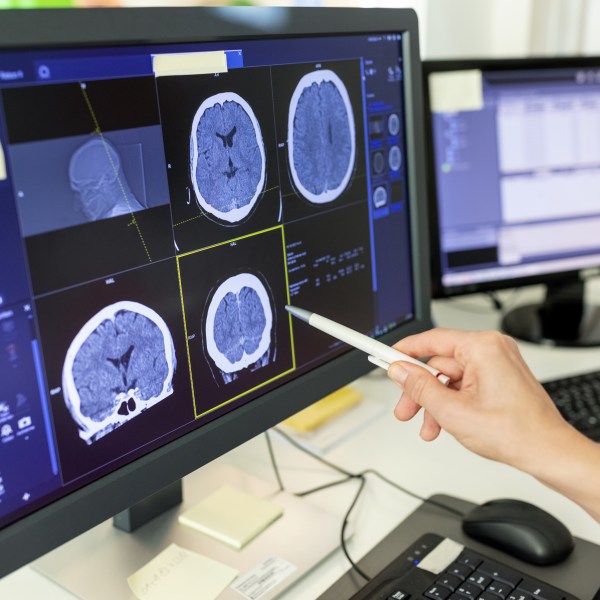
[{"x": 514, "y": 179}]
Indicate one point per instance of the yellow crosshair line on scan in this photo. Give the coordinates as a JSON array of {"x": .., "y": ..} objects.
[{"x": 98, "y": 131}]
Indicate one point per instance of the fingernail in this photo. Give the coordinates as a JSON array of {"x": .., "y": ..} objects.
[{"x": 398, "y": 373}]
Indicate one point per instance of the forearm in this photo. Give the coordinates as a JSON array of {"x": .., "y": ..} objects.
[{"x": 569, "y": 463}]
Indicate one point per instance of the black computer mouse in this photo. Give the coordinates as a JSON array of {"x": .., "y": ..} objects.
[{"x": 521, "y": 530}]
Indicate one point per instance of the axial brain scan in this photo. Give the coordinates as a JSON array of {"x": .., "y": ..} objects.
[
  {"x": 227, "y": 157},
  {"x": 119, "y": 364},
  {"x": 97, "y": 179},
  {"x": 238, "y": 323},
  {"x": 321, "y": 136}
]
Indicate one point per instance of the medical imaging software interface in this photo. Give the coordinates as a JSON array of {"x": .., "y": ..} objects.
[
  {"x": 153, "y": 226},
  {"x": 518, "y": 172}
]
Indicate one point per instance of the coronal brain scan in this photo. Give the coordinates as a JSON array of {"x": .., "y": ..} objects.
[
  {"x": 119, "y": 364},
  {"x": 238, "y": 323},
  {"x": 227, "y": 157},
  {"x": 97, "y": 178},
  {"x": 321, "y": 136},
  {"x": 380, "y": 196}
]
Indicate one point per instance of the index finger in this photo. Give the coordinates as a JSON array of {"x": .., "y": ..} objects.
[{"x": 434, "y": 342}]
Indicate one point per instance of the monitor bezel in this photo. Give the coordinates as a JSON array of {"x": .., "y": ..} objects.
[
  {"x": 438, "y": 289},
  {"x": 63, "y": 519}
]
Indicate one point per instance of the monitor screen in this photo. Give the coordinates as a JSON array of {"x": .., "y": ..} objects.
[
  {"x": 515, "y": 161},
  {"x": 170, "y": 180},
  {"x": 517, "y": 165}
]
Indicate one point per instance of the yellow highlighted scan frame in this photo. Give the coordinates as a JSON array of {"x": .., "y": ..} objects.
[{"x": 185, "y": 328}]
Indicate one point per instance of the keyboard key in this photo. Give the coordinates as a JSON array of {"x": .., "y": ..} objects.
[
  {"x": 516, "y": 595},
  {"x": 487, "y": 595},
  {"x": 539, "y": 590},
  {"x": 450, "y": 581},
  {"x": 500, "y": 572},
  {"x": 470, "y": 559},
  {"x": 480, "y": 579},
  {"x": 460, "y": 570},
  {"x": 469, "y": 590},
  {"x": 438, "y": 592},
  {"x": 399, "y": 595},
  {"x": 500, "y": 588}
]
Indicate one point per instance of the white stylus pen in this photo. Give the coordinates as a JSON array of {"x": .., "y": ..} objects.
[{"x": 380, "y": 354}]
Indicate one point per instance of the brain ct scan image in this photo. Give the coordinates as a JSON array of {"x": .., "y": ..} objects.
[
  {"x": 321, "y": 136},
  {"x": 119, "y": 364},
  {"x": 380, "y": 196},
  {"x": 393, "y": 124},
  {"x": 227, "y": 157},
  {"x": 99, "y": 183},
  {"x": 394, "y": 158},
  {"x": 238, "y": 323}
]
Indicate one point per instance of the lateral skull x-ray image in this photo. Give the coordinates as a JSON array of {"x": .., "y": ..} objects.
[
  {"x": 119, "y": 364},
  {"x": 238, "y": 323},
  {"x": 98, "y": 180},
  {"x": 321, "y": 136},
  {"x": 227, "y": 157}
]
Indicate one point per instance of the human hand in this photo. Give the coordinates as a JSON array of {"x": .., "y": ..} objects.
[{"x": 493, "y": 406}]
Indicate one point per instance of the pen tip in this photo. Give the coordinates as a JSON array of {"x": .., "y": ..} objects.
[{"x": 300, "y": 313}]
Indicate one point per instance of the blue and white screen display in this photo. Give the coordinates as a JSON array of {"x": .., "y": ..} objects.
[
  {"x": 155, "y": 223},
  {"x": 517, "y": 172}
]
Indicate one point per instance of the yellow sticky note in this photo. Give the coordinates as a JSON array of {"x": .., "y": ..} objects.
[
  {"x": 454, "y": 91},
  {"x": 324, "y": 410},
  {"x": 176, "y": 571},
  {"x": 231, "y": 516},
  {"x": 189, "y": 63}
]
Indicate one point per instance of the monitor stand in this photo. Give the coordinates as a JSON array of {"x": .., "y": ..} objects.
[
  {"x": 562, "y": 319},
  {"x": 96, "y": 565}
]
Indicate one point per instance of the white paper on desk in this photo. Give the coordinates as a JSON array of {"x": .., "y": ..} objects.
[
  {"x": 263, "y": 578},
  {"x": 179, "y": 574}
]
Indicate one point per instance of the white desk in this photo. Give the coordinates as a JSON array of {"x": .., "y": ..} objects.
[{"x": 396, "y": 451}]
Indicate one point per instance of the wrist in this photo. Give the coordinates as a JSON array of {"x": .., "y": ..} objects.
[{"x": 568, "y": 462}]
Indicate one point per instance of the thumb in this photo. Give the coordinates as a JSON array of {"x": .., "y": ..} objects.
[{"x": 421, "y": 386}]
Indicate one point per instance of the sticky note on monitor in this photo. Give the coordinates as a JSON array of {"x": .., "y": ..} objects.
[
  {"x": 231, "y": 516},
  {"x": 189, "y": 63},
  {"x": 455, "y": 91},
  {"x": 175, "y": 571}
]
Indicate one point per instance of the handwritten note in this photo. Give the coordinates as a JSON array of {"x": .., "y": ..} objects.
[{"x": 179, "y": 574}]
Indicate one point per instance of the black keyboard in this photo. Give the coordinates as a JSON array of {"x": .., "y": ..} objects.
[
  {"x": 578, "y": 400},
  {"x": 437, "y": 568}
]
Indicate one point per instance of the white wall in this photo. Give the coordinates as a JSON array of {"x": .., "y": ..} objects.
[{"x": 471, "y": 28}]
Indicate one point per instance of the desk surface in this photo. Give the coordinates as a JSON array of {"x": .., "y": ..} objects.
[{"x": 396, "y": 451}]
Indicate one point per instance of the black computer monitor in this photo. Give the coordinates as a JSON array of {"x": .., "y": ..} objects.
[
  {"x": 514, "y": 171},
  {"x": 171, "y": 178}
]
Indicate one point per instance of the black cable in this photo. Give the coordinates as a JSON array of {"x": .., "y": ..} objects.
[
  {"x": 367, "y": 471},
  {"x": 413, "y": 494},
  {"x": 323, "y": 487},
  {"x": 274, "y": 462},
  {"x": 498, "y": 305},
  {"x": 349, "y": 476},
  {"x": 343, "y": 533},
  {"x": 300, "y": 447}
]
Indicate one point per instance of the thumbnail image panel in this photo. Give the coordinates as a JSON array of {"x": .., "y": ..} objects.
[
  {"x": 115, "y": 359},
  {"x": 319, "y": 124},
  {"x": 330, "y": 274},
  {"x": 88, "y": 178},
  {"x": 238, "y": 332},
  {"x": 88, "y": 166},
  {"x": 220, "y": 151}
]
